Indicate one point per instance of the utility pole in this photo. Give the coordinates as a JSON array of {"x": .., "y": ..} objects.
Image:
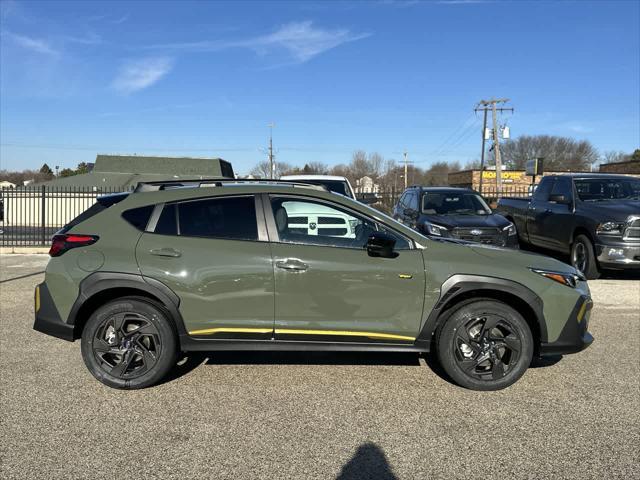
[
  {"x": 484, "y": 105},
  {"x": 272, "y": 164},
  {"x": 405, "y": 153},
  {"x": 484, "y": 129}
]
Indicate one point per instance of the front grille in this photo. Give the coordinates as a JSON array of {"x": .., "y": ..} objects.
[
  {"x": 487, "y": 236},
  {"x": 331, "y": 221},
  {"x": 632, "y": 232}
]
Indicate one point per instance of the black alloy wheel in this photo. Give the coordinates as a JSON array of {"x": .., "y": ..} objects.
[
  {"x": 484, "y": 344},
  {"x": 486, "y": 347},
  {"x": 129, "y": 343}
]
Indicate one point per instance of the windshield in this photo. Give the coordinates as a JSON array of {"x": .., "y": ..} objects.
[
  {"x": 600, "y": 189},
  {"x": 335, "y": 186},
  {"x": 454, "y": 203}
]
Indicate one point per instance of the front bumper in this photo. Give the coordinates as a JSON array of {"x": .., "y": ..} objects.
[
  {"x": 48, "y": 319},
  {"x": 574, "y": 336},
  {"x": 618, "y": 255}
]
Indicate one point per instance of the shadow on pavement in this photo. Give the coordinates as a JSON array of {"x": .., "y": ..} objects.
[
  {"x": 369, "y": 462},
  {"x": 191, "y": 361},
  {"x": 313, "y": 358}
]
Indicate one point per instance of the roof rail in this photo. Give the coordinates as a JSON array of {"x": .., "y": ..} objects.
[{"x": 219, "y": 182}]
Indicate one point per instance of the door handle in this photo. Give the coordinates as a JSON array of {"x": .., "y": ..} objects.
[
  {"x": 292, "y": 265},
  {"x": 165, "y": 252}
]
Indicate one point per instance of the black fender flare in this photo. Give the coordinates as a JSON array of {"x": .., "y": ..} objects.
[
  {"x": 458, "y": 285},
  {"x": 99, "y": 282}
]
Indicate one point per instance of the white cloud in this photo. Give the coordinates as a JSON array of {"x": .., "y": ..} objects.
[
  {"x": 142, "y": 73},
  {"x": 34, "y": 44},
  {"x": 301, "y": 40},
  {"x": 304, "y": 41}
]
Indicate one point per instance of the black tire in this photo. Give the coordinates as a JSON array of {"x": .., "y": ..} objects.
[
  {"x": 129, "y": 343},
  {"x": 499, "y": 345},
  {"x": 583, "y": 257}
]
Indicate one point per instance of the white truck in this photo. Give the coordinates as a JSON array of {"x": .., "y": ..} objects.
[{"x": 333, "y": 183}]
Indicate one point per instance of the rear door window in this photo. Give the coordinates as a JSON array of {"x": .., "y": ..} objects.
[{"x": 232, "y": 218}]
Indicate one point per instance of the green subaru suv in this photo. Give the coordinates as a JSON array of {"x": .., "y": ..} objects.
[{"x": 231, "y": 265}]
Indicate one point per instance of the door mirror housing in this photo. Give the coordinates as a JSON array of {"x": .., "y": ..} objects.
[
  {"x": 560, "y": 199},
  {"x": 411, "y": 213},
  {"x": 381, "y": 245}
]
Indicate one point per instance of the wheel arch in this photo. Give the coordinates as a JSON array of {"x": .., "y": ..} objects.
[
  {"x": 581, "y": 231},
  {"x": 459, "y": 290},
  {"x": 102, "y": 287}
]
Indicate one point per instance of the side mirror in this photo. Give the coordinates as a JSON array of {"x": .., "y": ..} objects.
[
  {"x": 368, "y": 198},
  {"x": 410, "y": 212},
  {"x": 560, "y": 199},
  {"x": 381, "y": 244}
]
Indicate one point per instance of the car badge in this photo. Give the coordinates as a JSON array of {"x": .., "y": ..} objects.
[
  {"x": 312, "y": 226},
  {"x": 475, "y": 231}
]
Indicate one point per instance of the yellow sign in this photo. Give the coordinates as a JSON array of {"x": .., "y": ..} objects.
[{"x": 506, "y": 175}]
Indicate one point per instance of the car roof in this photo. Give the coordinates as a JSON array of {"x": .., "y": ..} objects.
[
  {"x": 593, "y": 175},
  {"x": 442, "y": 189},
  {"x": 312, "y": 177}
]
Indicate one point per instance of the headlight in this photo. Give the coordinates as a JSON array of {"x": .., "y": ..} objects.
[
  {"x": 511, "y": 229},
  {"x": 433, "y": 229},
  {"x": 567, "y": 279},
  {"x": 610, "y": 228}
]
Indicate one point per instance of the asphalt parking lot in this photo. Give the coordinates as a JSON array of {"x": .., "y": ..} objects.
[{"x": 317, "y": 416}]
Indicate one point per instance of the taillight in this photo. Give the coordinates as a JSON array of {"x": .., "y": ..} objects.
[{"x": 62, "y": 243}]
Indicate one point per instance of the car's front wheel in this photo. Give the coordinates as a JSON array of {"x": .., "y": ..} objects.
[
  {"x": 129, "y": 343},
  {"x": 583, "y": 257},
  {"x": 485, "y": 345}
]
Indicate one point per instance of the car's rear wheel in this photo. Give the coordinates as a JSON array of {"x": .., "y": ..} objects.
[
  {"x": 583, "y": 257},
  {"x": 129, "y": 343},
  {"x": 485, "y": 345}
]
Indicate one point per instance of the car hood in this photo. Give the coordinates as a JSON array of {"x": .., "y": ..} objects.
[
  {"x": 468, "y": 221},
  {"x": 520, "y": 258},
  {"x": 617, "y": 210}
]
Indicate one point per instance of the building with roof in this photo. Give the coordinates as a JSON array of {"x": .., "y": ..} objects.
[{"x": 126, "y": 171}]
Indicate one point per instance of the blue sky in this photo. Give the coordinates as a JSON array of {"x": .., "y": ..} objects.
[{"x": 206, "y": 78}]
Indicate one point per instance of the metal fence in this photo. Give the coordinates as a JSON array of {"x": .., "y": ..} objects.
[{"x": 29, "y": 216}]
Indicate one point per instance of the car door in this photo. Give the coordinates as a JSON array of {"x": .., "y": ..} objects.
[
  {"x": 329, "y": 289},
  {"x": 556, "y": 223},
  {"x": 213, "y": 253},
  {"x": 537, "y": 213}
]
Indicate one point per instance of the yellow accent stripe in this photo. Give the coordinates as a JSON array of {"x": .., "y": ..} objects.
[
  {"x": 582, "y": 311},
  {"x": 405, "y": 275},
  {"x": 288, "y": 331},
  {"x": 343, "y": 333},
  {"x": 37, "y": 300},
  {"x": 212, "y": 331}
]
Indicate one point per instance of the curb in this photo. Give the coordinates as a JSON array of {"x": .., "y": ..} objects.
[{"x": 23, "y": 250}]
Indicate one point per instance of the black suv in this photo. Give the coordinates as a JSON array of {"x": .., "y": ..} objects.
[{"x": 446, "y": 212}]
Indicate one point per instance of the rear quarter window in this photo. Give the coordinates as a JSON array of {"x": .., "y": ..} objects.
[{"x": 138, "y": 217}]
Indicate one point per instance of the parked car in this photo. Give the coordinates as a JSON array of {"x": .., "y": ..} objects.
[
  {"x": 595, "y": 218},
  {"x": 333, "y": 183},
  {"x": 314, "y": 218},
  {"x": 141, "y": 276},
  {"x": 445, "y": 212}
]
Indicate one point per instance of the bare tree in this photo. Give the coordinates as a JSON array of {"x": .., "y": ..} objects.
[
  {"x": 263, "y": 169},
  {"x": 560, "y": 153},
  {"x": 614, "y": 157}
]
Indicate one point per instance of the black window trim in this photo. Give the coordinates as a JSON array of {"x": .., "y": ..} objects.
[
  {"x": 273, "y": 230},
  {"x": 260, "y": 217}
]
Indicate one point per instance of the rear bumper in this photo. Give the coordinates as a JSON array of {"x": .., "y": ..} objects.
[
  {"x": 48, "y": 319},
  {"x": 574, "y": 336},
  {"x": 618, "y": 256}
]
